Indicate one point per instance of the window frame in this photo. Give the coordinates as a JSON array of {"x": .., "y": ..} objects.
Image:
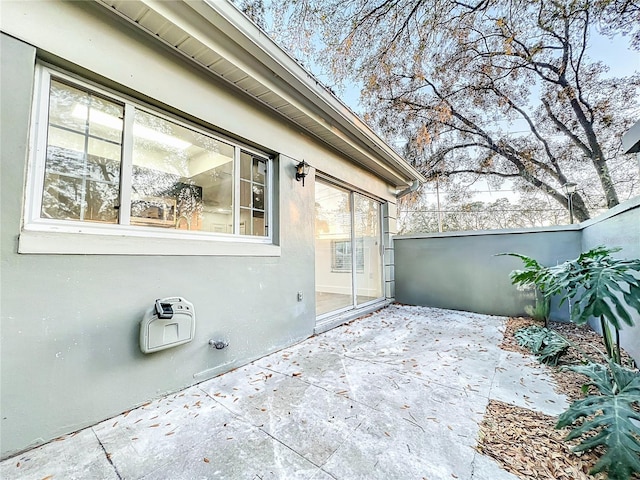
[
  {"x": 337, "y": 266},
  {"x": 41, "y": 227}
]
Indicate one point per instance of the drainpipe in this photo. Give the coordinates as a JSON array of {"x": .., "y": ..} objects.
[{"x": 414, "y": 186}]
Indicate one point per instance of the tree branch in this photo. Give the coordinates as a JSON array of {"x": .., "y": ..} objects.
[{"x": 564, "y": 129}]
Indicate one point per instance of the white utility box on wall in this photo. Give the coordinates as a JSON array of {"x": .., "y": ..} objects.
[{"x": 171, "y": 322}]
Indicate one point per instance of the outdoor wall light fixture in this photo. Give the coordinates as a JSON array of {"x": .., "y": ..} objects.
[
  {"x": 302, "y": 170},
  {"x": 570, "y": 188}
]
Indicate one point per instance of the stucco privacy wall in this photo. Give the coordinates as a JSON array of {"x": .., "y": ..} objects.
[
  {"x": 459, "y": 270},
  {"x": 70, "y": 323},
  {"x": 619, "y": 227}
]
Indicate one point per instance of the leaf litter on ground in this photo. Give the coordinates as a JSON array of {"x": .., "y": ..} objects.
[{"x": 525, "y": 442}]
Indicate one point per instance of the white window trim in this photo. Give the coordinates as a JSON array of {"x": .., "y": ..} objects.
[
  {"x": 51, "y": 242},
  {"x": 41, "y": 236}
]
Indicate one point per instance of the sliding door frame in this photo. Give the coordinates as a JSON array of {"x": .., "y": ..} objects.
[{"x": 352, "y": 191}]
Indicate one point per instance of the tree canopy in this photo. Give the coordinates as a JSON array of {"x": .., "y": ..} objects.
[{"x": 499, "y": 89}]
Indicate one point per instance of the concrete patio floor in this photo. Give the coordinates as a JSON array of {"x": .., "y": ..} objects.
[{"x": 395, "y": 395}]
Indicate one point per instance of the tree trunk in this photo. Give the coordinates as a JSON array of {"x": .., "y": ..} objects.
[{"x": 605, "y": 179}]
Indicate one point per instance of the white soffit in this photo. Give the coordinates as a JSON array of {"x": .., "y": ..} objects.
[
  {"x": 220, "y": 38},
  {"x": 631, "y": 139}
]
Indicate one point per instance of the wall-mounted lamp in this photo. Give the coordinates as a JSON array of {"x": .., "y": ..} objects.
[
  {"x": 570, "y": 188},
  {"x": 302, "y": 170}
]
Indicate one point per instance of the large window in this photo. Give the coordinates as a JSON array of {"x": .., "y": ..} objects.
[{"x": 110, "y": 163}]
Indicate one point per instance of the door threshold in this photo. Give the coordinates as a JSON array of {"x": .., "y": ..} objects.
[{"x": 344, "y": 317}]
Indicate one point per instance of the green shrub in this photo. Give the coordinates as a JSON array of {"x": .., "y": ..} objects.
[
  {"x": 596, "y": 284},
  {"x": 608, "y": 419},
  {"x": 540, "y": 310}
]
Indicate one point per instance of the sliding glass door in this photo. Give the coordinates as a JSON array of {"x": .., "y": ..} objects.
[{"x": 348, "y": 250}]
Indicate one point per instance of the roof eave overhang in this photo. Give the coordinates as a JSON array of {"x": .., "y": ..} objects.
[
  {"x": 216, "y": 35},
  {"x": 631, "y": 139}
]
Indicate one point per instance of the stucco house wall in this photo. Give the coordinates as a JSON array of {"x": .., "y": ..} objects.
[{"x": 70, "y": 320}]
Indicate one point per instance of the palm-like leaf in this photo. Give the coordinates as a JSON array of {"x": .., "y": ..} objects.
[
  {"x": 533, "y": 273},
  {"x": 604, "y": 286},
  {"x": 612, "y": 416},
  {"x": 547, "y": 344}
]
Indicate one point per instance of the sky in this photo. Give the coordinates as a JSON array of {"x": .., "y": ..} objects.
[{"x": 613, "y": 52}]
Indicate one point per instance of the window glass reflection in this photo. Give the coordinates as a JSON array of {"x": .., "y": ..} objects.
[
  {"x": 182, "y": 179},
  {"x": 84, "y": 149},
  {"x": 253, "y": 205}
]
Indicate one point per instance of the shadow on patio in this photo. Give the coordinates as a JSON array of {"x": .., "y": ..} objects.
[{"x": 398, "y": 394}]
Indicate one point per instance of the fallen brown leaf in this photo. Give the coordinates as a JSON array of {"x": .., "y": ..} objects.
[{"x": 526, "y": 442}]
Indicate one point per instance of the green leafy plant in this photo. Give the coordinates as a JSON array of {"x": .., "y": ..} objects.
[
  {"x": 608, "y": 419},
  {"x": 596, "y": 284},
  {"x": 603, "y": 287},
  {"x": 548, "y": 345},
  {"x": 533, "y": 274},
  {"x": 540, "y": 310},
  {"x": 537, "y": 276}
]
